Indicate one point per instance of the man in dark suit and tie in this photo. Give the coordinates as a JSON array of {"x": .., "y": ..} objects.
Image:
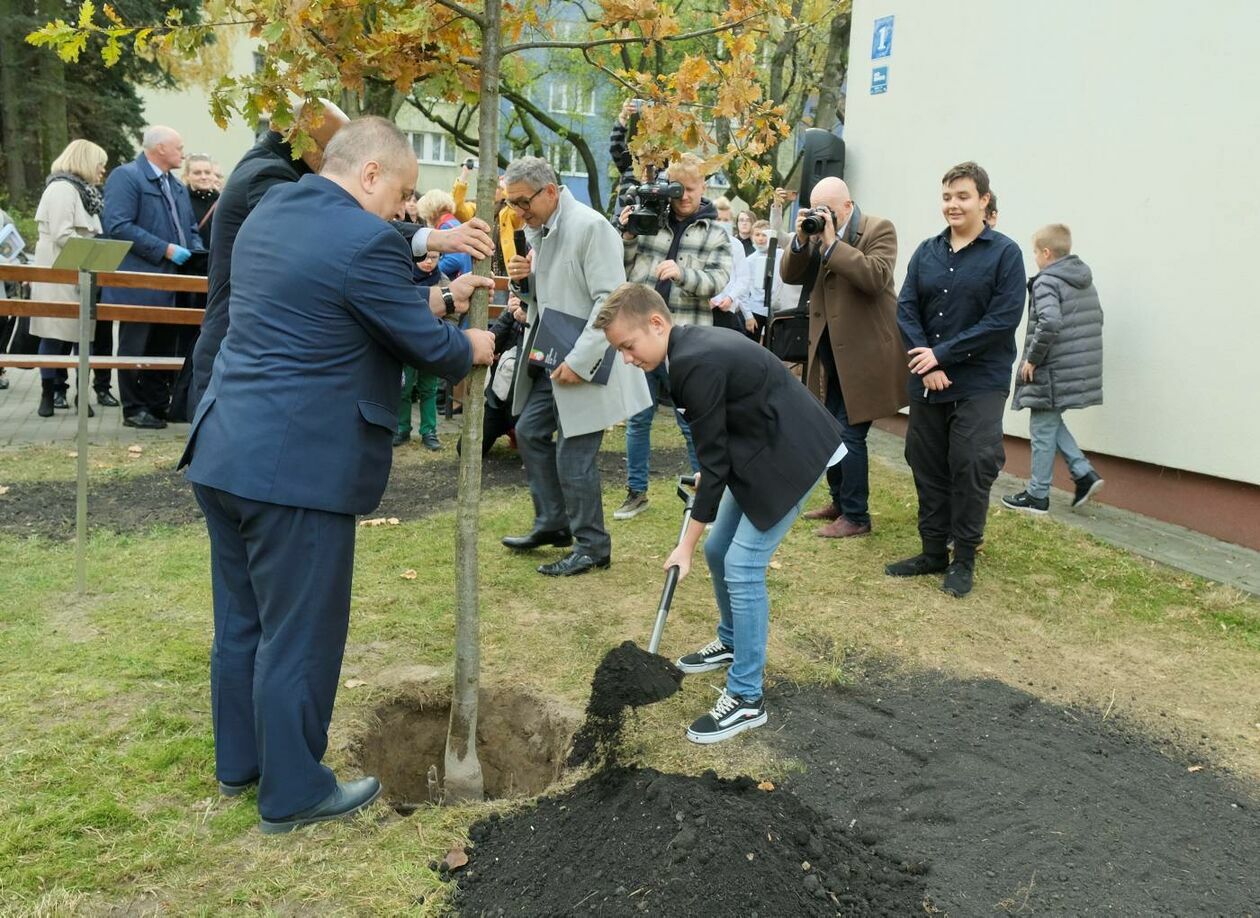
[
  {"x": 763, "y": 442},
  {"x": 292, "y": 439},
  {"x": 149, "y": 207}
]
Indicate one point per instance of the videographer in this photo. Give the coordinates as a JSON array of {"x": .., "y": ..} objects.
[
  {"x": 687, "y": 260},
  {"x": 855, "y": 357}
]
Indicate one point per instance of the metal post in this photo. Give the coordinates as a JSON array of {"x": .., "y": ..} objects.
[{"x": 87, "y": 308}]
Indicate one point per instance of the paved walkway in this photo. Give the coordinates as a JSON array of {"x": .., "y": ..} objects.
[
  {"x": 21, "y": 426},
  {"x": 1175, "y": 546},
  {"x": 1163, "y": 542}
]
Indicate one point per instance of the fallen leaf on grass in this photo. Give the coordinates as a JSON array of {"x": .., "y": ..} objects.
[
  {"x": 776, "y": 565},
  {"x": 355, "y": 683},
  {"x": 73, "y": 454},
  {"x": 455, "y": 858},
  {"x": 1193, "y": 768},
  {"x": 409, "y": 574},
  {"x": 766, "y": 786},
  {"x": 4, "y": 489},
  {"x": 381, "y": 521},
  {"x": 135, "y": 449}
]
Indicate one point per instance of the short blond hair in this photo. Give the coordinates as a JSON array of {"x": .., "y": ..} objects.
[
  {"x": 433, "y": 204},
  {"x": 1056, "y": 237},
  {"x": 761, "y": 225},
  {"x": 636, "y": 302},
  {"x": 722, "y": 203},
  {"x": 82, "y": 158},
  {"x": 688, "y": 165}
]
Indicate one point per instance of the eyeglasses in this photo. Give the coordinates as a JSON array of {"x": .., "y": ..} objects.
[{"x": 524, "y": 205}]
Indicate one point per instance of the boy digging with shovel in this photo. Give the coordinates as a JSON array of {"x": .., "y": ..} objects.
[{"x": 763, "y": 443}]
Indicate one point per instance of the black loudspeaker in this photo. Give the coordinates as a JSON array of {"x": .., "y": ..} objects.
[{"x": 822, "y": 156}]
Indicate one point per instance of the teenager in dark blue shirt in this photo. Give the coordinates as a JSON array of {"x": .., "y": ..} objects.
[{"x": 960, "y": 304}]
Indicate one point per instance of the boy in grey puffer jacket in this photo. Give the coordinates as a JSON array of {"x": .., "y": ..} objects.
[{"x": 1061, "y": 366}]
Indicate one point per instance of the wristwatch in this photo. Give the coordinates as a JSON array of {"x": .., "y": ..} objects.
[{"x": 448, "y": 299}]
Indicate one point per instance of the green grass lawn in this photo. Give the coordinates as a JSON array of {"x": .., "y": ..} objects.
[{"x": 107, "y": 797}]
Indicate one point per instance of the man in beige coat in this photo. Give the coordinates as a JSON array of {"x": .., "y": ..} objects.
[
  {"x": 855, "y": 361},
  {"x": 575, "y": 261}
]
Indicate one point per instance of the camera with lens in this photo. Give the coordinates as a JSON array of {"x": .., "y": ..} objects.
[
  {"x": 814, "y": 220},
  {"x": 651, "y": 206}
]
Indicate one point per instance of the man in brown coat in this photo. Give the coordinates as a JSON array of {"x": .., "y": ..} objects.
[{"x": 856, "y": 359}]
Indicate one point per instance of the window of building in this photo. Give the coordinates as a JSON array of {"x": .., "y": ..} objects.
[
  {"x": 565, "y": 160},
  {"x": 432, "y": 147},
  {"x": 565, "y": 97}
]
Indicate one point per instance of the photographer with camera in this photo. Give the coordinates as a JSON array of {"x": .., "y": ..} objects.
[
  {"x": 855, "y": 362},
  {"x": 673, "y": 244}
]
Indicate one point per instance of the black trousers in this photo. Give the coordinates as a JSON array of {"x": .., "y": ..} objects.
[
  {"x": 102, "y": 346},
  {"x": 148, "y": 390},
  {"x": 955, "y": 452}
]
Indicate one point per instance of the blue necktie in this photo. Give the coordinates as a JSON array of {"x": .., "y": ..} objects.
[{"x": 165, "y": 183}]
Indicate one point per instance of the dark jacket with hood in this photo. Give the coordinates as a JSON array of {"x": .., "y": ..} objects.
[
  {"x": 1064, "y": 339},
  {"x": 268, "y": 163}
]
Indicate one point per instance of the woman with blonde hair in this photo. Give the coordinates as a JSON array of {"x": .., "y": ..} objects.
[{"x": 70, "y": 206}]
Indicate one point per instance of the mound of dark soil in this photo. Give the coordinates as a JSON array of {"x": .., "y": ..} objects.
[
  {"x": 1023, "y": 806},
  {"x": 627, "y": 677},
  {"x": 632, "y": 842},
  {"x": 135, "y": 503}
]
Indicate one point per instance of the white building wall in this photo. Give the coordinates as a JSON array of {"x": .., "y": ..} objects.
[{"x": 1136, "y": 123}]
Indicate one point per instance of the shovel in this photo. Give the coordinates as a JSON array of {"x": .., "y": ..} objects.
[{"x": 688, "y": 497}]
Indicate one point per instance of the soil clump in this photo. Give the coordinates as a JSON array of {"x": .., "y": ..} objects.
[
  {"x": 627, "y": 677},
  {"x": 637, "y": 842},
  {"x": 1021, "y": 805},
  {"x": 631, "y": 841}
]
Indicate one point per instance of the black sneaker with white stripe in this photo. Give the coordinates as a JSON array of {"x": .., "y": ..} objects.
[
  {"x": 713, "y": 655},
  {"x": 730, "y": 716}
]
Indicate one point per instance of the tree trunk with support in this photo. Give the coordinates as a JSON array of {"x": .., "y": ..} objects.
[
  {"x": 834, "y": 67},
  {"x": 464, "y": 780}
]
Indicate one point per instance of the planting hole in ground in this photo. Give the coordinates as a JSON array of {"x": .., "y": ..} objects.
[{"x": 522, "y": 743}]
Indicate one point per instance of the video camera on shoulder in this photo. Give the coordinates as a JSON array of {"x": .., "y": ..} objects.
[{"x": 651, "y": 205}]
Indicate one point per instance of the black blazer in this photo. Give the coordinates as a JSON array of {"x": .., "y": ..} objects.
[
  {"x": 268, "y": 163},
  {"x": 757, "y": 430}
]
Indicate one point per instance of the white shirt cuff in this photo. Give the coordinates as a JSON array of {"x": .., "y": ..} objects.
[{"x": 420, "y": 242}]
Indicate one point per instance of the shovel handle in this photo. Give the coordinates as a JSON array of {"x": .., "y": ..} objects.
[{"x": 662, "y": 610}]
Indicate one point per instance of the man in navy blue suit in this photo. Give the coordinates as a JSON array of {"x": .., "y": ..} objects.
[
  {"x": 292, "y": 439},
  {"x": 146, "y": 205}
]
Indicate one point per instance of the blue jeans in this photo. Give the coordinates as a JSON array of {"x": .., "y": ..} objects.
[
  {"x": 639, "y": 434},
  {"x": 738, "y": 553},
  {"x": 1049, "y": 435},
  {"x": 849, "y": 479}
]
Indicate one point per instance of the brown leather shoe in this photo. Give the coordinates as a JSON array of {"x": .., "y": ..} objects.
[
  {"x": 829, "y": 512},
  {"x": 843, "y": 529}
]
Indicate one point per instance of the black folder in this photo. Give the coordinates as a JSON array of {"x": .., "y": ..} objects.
[{"x": 557, "y": 333}]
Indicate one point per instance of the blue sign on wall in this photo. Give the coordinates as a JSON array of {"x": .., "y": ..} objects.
[
  {"x": 881, "y": 40},
  {"x": 879, "y": 80}
]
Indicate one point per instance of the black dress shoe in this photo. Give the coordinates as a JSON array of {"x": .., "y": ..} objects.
[
  {"x": 106, "y": 399},
  {"x": 561, "y": 538},
  {"x": 402, "y": 437},
  {"x": 45, "y": 409},
  {"x": 144, "y": 420},
  {"x": 91, "y": 413},
  {"x": 574, "y": 564},
  {"x": 347, "y": 798},
  {"x": 59, "y": 401},
  {"x": 228, "y": 789}
]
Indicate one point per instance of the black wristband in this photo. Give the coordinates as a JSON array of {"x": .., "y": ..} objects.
[{"x": 449, "y": 299}]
